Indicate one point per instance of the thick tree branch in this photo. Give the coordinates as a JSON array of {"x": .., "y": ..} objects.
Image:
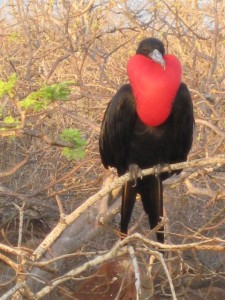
[{"x": 69, "y": 219}]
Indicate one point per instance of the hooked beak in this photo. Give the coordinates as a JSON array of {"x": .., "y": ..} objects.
[{"x": 157, "y": 57}]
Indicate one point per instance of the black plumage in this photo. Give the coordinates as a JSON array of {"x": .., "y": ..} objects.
[{"x": 125, "y": 140}]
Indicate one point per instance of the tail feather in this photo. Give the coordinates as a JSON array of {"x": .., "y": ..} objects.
[
  {"x": 151, "y": 191},
  {"x": 128, "y": 200}
]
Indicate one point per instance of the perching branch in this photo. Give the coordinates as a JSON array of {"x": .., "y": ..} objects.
[{"x": 60, "y": 227}]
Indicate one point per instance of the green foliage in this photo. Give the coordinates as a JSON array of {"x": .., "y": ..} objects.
[
  {"x": 40, "y": 99},
  {"x": 6, "y": 87},
  {"x": 73, "y": 154},
  {"x": 74, "y": 137},
  {"x": 14, "y": 37},
  {"x": 10, "y": 120}
]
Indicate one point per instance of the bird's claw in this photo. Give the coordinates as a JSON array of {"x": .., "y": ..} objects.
[
  {"x": 157, "y": 169},
  {"x": 135, "y": 173}
]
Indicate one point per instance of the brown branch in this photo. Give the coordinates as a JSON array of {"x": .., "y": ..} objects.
[
  {"x": 117, "y": 251},
  {"x": 120, "y": 249},
  {"x": 9, "y": 262},
  {"x": 85, "y": 121},
  {"x": 62, "y": 178},
  {"x": 8, "y": 125},
  {"x": 46, "y": 139},
  {"x": 11, "y": 250},
  {"x": 183, "y": 22},
  {"x": 14, "y": 169},
  {"x": 211, "y": 126},
  {"x": 18, "y": 286},
  {"x": 69, "y": 219},
  {"x": 83, "y": 10},
  {"x": 14, "y": 132},
  {"x": 55, "y": 65},
  {"x": 205, "y": 244}
]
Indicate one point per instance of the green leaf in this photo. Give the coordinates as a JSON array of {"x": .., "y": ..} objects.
[
  {"x": 29, "y": 101},
  {"x": 14, "y": 37},
  {"x": 73, "y": 136},
  {"x": 40, "y": 99},
  {"x": 73, "y": 154},
  {"x": 7, "y": 87},
  {"x": 9, "y": 120}
]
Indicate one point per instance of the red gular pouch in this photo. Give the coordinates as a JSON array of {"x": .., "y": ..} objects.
[{"x": 154, "y": 88}]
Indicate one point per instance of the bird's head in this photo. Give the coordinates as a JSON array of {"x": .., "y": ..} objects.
[{"x": 152, "y": 48}]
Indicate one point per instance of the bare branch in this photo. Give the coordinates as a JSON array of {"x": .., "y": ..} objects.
[
  {"x": 15, "y": 168},
  {"x": 219, "y": 160}
]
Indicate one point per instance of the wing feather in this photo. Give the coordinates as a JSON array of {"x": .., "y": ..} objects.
[
  {"x": 183, "y": 122},
  {"x": 116, "y": 130}
]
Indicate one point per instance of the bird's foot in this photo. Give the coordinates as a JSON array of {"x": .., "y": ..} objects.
[
  {"x": 135, "y": 173},
  {"x": 157, "y": 169}
]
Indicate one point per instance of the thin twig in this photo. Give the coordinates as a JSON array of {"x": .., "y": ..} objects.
[
  {"x": 12, "y": 291},
  {"x": 115, "y": 252},
  {"x": 136, "y": 272},
  {"x": 160, "y": 257}
]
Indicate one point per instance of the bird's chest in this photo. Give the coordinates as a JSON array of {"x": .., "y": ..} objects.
[
  {"x": 150, "y": 145},
  {"x": 149, "y": 132}
]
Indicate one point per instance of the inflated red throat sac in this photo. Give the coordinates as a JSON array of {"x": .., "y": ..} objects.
[{"x": 154, "y": 88}]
